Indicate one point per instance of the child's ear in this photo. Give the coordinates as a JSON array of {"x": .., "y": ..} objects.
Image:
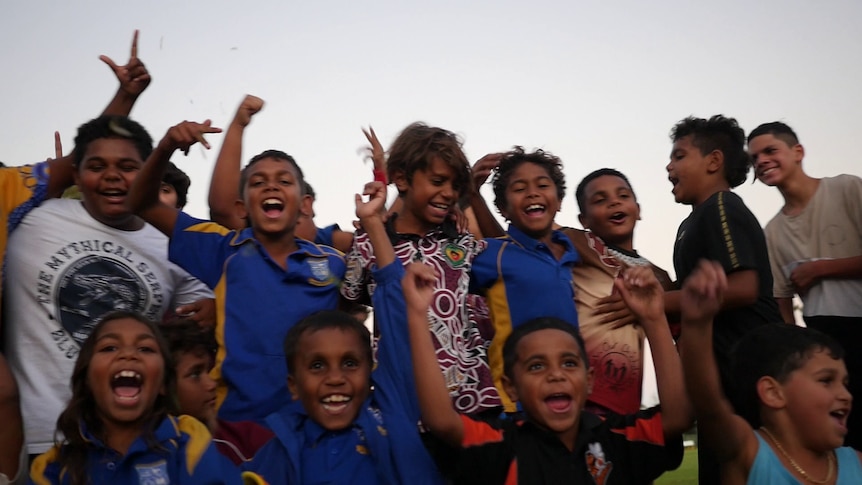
[
  {"x": 241, "y": 211},
  {"x": 583, "y": 221},
  {"x": 639, "y": 210},
  {"x": 306, "y": 206},
  {"x": 399, "y": 178},
  {"x": 509, "y": 387},
  {"x": 715, "y": 161},
  {"x": 798, "y": 152},
  {"x": 770, "y": 392},
  {"x": 291, "y": 385}
]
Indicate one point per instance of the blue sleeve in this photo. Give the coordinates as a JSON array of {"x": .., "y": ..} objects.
[
  {"x": 393, "y": 377},
  {"x": 271, "y": 463},
  {"x": 484, "y": 271},
  {"x": 200, "y": 247}
]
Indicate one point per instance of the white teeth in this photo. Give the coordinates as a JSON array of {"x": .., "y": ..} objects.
[
  {"x": 336, "y": 398},
  {"x": 441, "y": 206},
  {"x": 535, "y": 207},
  {"x": 127, "y": 373}
]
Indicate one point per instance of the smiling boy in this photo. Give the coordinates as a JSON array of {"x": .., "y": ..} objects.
[
  {"x": 547, "y": 373},
  {"x": 264, "y": 278}
]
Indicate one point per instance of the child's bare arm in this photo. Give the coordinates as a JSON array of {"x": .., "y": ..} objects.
[
  {"x": 728, "y": 434},
  {"x": 370, "y": 215},
  {"x": 144, "y": 194},
  {"x": 435, "y": 405},
  {"x": 224, "y": 185},
  {"x": 642, "y": 292},
  {"x": 488, "y": 225}
]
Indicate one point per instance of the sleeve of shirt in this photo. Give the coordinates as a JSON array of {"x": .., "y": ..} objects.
[
  {"x": 649, "y": 455},
  {"x": 484, "y": 270},
  {"x": 21, "y": 189},
  {"x": 200, "y": 247},
  {"x": 45, "y": 470},
  {"x": 393, "y": 377},
  {"x": 203, "y": 464},
  {"x": 852, "y": 194},
  {"x": 356, "y": 278},
  {"x": 730, "y": 232},
  {"x": 781, "y": 286}
]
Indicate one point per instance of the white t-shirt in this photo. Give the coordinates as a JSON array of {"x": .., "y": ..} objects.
[
  {"x": 829, "y": 227},
  {"x": 64, "y": 270}
]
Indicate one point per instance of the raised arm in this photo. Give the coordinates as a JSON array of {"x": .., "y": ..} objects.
[
  {"x": 435, "y": 405},
  {"x": 144, "y": 195},
  {"x": 224, "y": 185},
  {"x": 485, "y": 220},
  {"x": 370, "y": 215},
  {"x": 134, "y": 79},
  {"x": 642, "y": 292},
  {"x": 728, "y": 434}
]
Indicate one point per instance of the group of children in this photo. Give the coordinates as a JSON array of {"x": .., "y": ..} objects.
[{"x": 516, "y": 357}]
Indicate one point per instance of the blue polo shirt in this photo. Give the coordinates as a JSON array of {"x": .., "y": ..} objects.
[
  {"x": 521, "y": 280},
  {"x": 257, "y": 302},
  {"x": 383, "y": 445},
  {"x": 185, "y": 454}
]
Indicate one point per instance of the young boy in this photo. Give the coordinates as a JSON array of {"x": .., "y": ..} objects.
[
  {"x": 547, "y": 373},
  {"x": 193, "y": 349},
  {"x": 815, "y": 245},
  {"x": 708, "y": 159},
  {"x": 175, "y": 187},
  {"x": 792, "y": 386},
  {"x": 265, "y": 279},
  {"x": 613, "y": 340},
  {"x": 338, "y": 430},
  {"x": 528, "y": 272}
]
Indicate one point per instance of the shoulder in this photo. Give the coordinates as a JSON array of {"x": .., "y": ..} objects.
[
  {"x": 196, "y": 439},
  {"x": 45, "y": 468}
]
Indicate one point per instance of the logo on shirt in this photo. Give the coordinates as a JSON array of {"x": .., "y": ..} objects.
[
  {"x": 320, "y": 271},
  {"x": 153, "y": 474},
  {"x": 599, "y": 468},
  {"x": 455, "y": 255}
]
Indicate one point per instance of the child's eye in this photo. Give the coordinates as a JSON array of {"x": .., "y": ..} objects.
[
  {"x": 147, "y": 349},
  {"x": 256, "y": 183},
  {"x": 570, "y": 363},
  {"x": 129, "y": 168},
  {"x": 285, "y": 182},
  {"x": 351, "y": 364},
  {"x": 535, "y": 366},
  {"x": 108, "y": 348},
  {"x": 316, "y": 365}
]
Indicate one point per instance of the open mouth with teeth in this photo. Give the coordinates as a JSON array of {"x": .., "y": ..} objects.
[
  {"x": 840, "y": 415},
  {"x": 273, "y": 207},
  {"x": 335, "y": 403},
  {"x": 113, "y": 194},
  {"x": 618, "y": 217},
  {"x": 126, "y": 385},
  {"x": 559, "y": 403},
  {"x": 535, "y": 210}
]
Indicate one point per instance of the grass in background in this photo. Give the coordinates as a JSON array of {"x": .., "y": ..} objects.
[{"x": 686, "y": 474}]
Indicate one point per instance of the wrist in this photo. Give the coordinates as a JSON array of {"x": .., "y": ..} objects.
[{"x": 379, "y": 175}]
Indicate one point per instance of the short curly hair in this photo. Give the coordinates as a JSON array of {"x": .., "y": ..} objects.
[
  {"x": 515, "y": 158},
  {"x": 718, "y": 133},
  {"x": 112, "y": 126}
]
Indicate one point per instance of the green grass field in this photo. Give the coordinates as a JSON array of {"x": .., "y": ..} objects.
[{"x": 686, "y": 474}]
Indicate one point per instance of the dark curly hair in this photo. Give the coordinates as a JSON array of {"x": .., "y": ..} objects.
[
  {"x": 513, "y": 159},
  {"x": 510, "y": 347},
  {"x": 82, "y": 407},
  {"x": 778, "y": 130},
  {"x": 416, "y": 148},
  {"x": 180, "y": 181},
  {"x": 112, "y": 126},
  {"x": 324, "y": 320},
  {"x": 718, "y": 133}
]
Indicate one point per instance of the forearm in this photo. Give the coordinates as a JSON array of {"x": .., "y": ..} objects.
[
  {"x": 144, "y": 192},
  {"x": 484, "y": 218},
  {"x": 785, "y": 307},
  {"x": 842, "y": 268},
  {"x": 435, "y": 405},
  {"x": 224, "y": 185},
  {"x": 677, "y": 412},
  {"x": 121, "y": 104},
  {"x": 384, "y": 253}
]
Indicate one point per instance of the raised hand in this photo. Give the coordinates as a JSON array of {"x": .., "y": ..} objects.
[
  {"x": 186, "y": 134},
  {"x": 375, "y": 150},
  {"x": 134, "y": 77},
  {"x": 482, "y": 169},
  {"x": 642, "y": 293},
  {"x": 58, "y": 147},
  {"x": 703, "y": 292},
  {"x": 248, "y": 108},
  {"x": 376, "y": 203},
  {"x": 418, "y": 286},
  {"x": 614, "y": 311}
]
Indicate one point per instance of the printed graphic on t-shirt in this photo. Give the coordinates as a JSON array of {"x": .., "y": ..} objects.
[
  {"x": 153, "y": 474},
  {"x": 84, "y": 280}
]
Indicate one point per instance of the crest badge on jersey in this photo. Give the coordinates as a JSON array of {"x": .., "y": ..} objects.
[
  {"x": 320, "y": 270},
  {"x": 455, "y": 255},
  {"x": 598, "y": 465},
  {"x": 153, "y": 473}
]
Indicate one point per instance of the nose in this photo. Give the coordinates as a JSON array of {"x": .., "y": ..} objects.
[
  {"x": 555, "y": 373},
  {"x": 111, "y": 173},
  {"x": 208, "y": 382},
  {"x": 669, "y": 166},
  {"x": 448, "y": 191},
  {"x": 335, "y": 377}
]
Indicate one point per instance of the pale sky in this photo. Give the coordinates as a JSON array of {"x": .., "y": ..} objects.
[{"x": 597, "y": 83}]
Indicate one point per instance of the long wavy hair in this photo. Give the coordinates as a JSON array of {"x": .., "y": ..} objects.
[{"x": 82, "y": 410}]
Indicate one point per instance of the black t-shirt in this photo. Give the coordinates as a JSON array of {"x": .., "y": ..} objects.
[{"x": 724, "y": 230}]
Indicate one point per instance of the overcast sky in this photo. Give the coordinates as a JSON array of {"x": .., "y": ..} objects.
[{"x": 598, "y": 83}]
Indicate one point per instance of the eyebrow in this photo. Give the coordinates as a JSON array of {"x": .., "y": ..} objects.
[{"x": 116, "y": 336}]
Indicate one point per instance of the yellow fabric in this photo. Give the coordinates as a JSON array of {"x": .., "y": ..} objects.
[
  {"x": 37, "y": 470},
  {"x": 199, "y": 440}
]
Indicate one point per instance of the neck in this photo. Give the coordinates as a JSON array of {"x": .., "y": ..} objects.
[
  {"x": 811, "y": 466},
  {"x": 120, "y": 438},
  {"x": 797, "y": 192},
  {"x": 408, "y": 223},
  {"x": 278, "y": 246},
  {"x": 720, "y": 186}
]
